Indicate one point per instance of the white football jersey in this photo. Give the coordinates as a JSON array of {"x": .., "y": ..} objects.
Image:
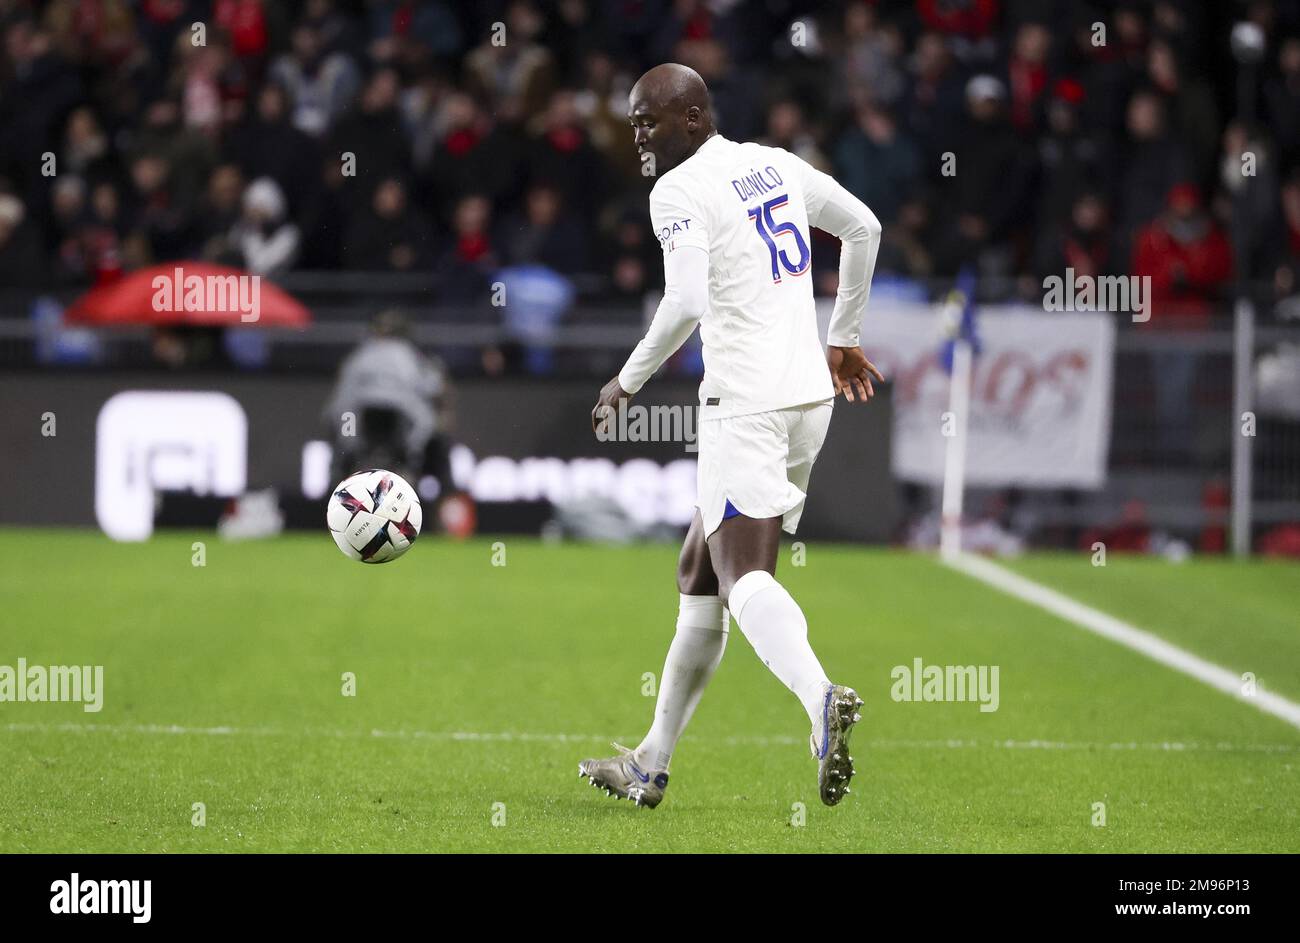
[{"x": 745, "y": 204}]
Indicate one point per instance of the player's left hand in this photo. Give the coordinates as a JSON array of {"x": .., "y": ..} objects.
[
  {"x": 607, "y": 403},
  {"x": 851, "y": 372}
]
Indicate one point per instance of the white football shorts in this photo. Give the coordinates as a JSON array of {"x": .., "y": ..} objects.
[{"x": 758, "y": 465}]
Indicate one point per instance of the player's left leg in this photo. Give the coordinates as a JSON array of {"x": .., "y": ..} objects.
[{"x": 693, "y": 656}]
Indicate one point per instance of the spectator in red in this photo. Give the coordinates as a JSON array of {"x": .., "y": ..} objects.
[
  {"x": 561, "y": 151},
  {"x": 1187, "y": 257},
  {"x": 245, "y": 21},
  {"x": 1081, "y": 243},
  {"x": 104, "y": 233},
  {"x": 199, "y": 81},
  {"x": 1072, "y": 158},
  {"x": 401, "y": 29},
  {"x": 68, "y": 210},
  {"x": 1027, "y": 74},
  {"x": 159, "y": 22},
  {"x": 467, "y": 262},
  {"x": 970, "y": 19},
  {"x": 1188, "y": 260},
  {"x": 474, "y": 156},
  {"x": 1131, "y": 534},
  {"x": 82, "y": 235},
  {"x": 1110, "y": 70}
]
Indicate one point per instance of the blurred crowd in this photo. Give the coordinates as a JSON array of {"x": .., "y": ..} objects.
[{"x": 460, "y": 138}]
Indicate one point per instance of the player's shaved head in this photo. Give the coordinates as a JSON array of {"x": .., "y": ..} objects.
[
  {"x": 669, "y": 108},
  {"x": 672, "y": 86}
]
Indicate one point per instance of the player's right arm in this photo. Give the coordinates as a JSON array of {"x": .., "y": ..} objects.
[
  {"x": 682, "y": 232},
  {"x": 837, "y": 211}
]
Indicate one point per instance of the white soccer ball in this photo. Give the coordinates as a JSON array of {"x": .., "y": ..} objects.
[{"x": 374, "y": 516}]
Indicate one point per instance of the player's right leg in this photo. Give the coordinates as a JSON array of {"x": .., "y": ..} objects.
[{"x": 693, "y": 656}]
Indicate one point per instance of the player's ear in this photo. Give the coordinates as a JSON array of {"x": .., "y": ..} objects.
[{"x": 693, "y": 117}]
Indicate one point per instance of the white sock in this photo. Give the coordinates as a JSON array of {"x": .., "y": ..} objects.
[
  {"x": 776, "y": 627},
  {"x": 694, "y": 654}
]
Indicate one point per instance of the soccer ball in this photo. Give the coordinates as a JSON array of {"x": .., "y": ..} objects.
[{"x": 374, "y": 516}]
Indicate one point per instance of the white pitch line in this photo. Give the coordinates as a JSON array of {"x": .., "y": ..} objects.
[
  {"x": 752, "y": 741},
  {"x": 1130, "y": 636}
]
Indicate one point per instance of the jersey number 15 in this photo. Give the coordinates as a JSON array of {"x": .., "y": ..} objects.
[{"x": 769, "y": 229}]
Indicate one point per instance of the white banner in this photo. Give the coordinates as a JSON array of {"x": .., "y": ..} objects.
[
  {"x": 1040, "y": 396},
  {"x": 147, "y": 440}
]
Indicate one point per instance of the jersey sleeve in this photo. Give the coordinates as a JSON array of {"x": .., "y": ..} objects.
[
  {"x": 686, "y": 293},
  {"x": 837, "y": 211},
  {"x": 678, "y": 217},
  {"x": 681, "y": 228}
]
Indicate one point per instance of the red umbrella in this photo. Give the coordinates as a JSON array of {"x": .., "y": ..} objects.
[{"x": 189, "y": 293}]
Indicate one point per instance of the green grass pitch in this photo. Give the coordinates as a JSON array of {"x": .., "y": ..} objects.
[{"x": 480, "y": 687}]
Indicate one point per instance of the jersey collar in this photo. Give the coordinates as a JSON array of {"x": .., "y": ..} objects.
[{"x": 717, "y": 137}]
